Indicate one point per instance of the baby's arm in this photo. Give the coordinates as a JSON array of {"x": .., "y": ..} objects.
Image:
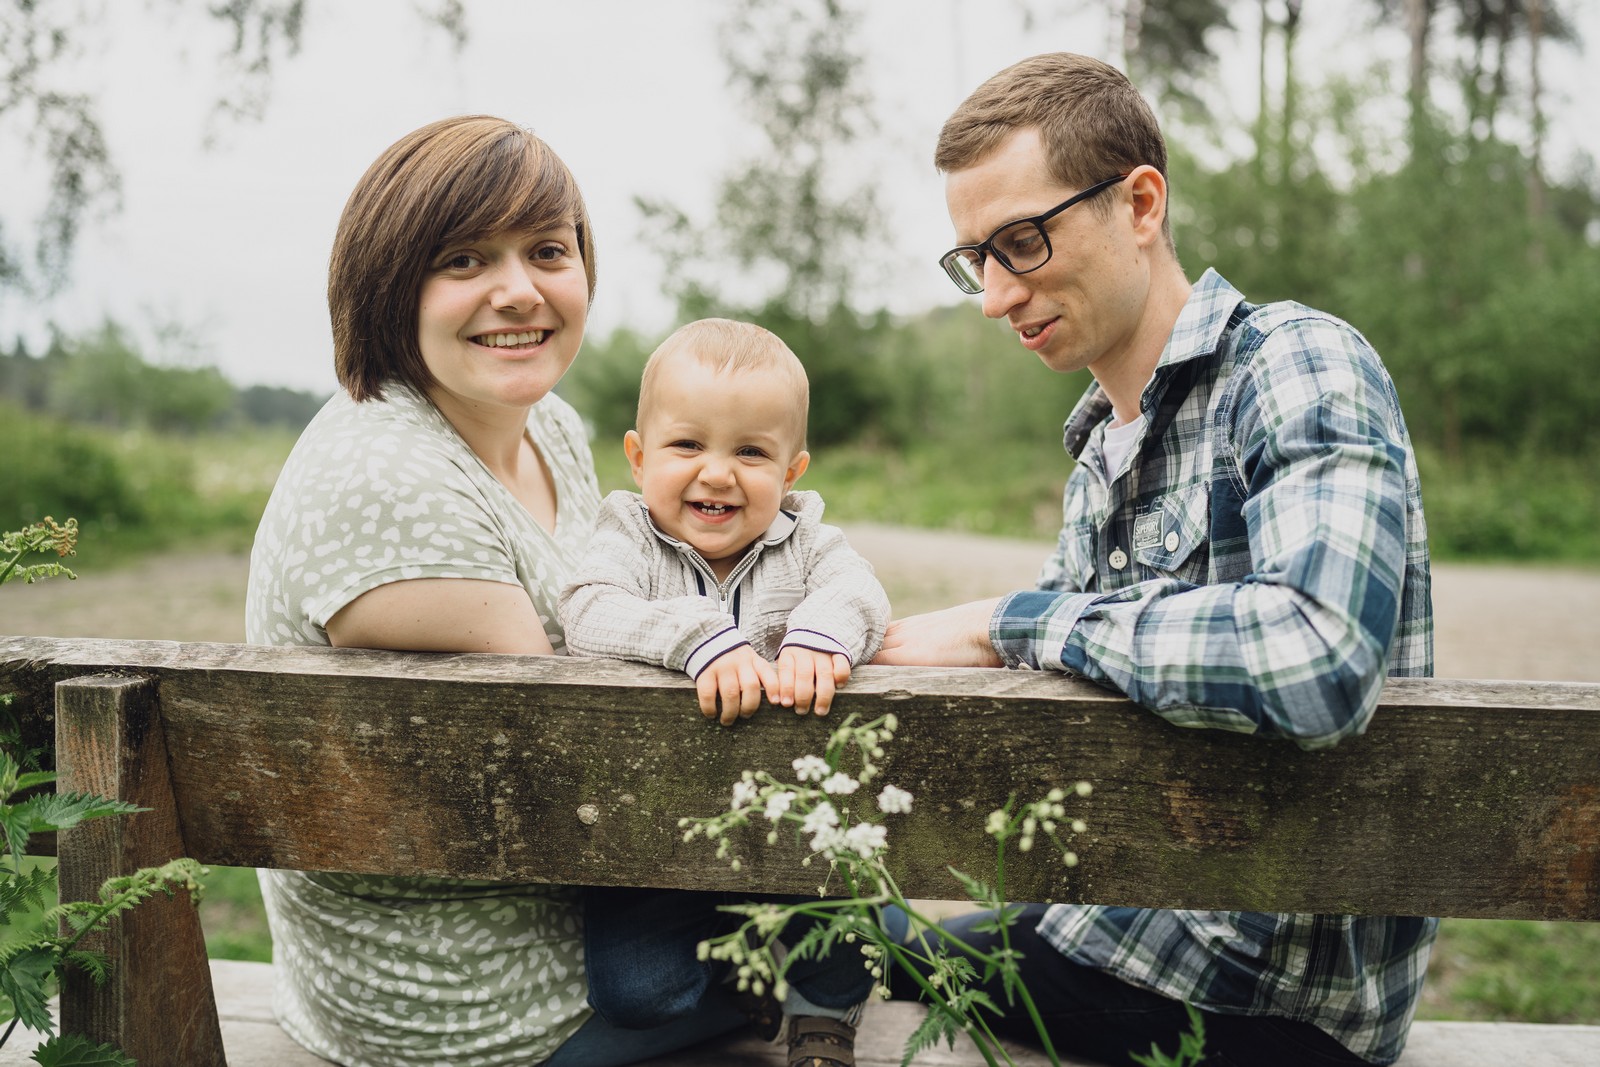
[{"x": 839, "y": 623}]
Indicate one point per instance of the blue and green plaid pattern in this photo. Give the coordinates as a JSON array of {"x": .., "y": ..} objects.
[{"x": 1258, "y": 563}]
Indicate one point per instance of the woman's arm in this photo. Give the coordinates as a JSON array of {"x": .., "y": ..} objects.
[{"x": 442, "y": 615}]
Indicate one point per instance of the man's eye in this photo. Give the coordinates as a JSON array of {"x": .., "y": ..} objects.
[{"x": 1023, "y": 241}]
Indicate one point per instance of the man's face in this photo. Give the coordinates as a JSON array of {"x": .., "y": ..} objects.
[{"x": 1081, "y": 309}]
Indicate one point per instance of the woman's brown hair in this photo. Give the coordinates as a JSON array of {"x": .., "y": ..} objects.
[{"x": 454, "y": 180}]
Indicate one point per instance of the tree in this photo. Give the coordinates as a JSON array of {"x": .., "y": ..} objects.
[
  {"x": 800, "y": 235},
  {"x": 38, "y": 37}
]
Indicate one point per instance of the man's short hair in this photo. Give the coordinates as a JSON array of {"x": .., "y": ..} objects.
[
  {"x": 725, "y": 345},
  {"x": 455, "y": 180},
  {"x": 1092, "y": 121}
]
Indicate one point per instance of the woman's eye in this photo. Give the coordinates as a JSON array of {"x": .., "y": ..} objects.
[
  {"x": 550, "y": 253},
  {"x": 460, "y": 261}
]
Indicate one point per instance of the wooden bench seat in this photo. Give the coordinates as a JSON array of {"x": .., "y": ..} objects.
[
  {"x": 252, "y": 1039},
  {"x": 1470, "y": 799}
]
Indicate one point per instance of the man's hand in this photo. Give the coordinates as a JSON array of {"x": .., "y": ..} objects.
[
  {"x": 738, "y": 678},
  {"x": 953, "y": 637},
  {"x": 807, "y": 678}
]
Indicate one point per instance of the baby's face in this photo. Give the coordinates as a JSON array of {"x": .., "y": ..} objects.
[{"x": 714, "y": 456}]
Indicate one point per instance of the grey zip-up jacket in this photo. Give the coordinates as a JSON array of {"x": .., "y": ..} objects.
[{"x": 639, "y": 594}]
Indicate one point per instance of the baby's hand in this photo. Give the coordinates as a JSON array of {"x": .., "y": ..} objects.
[
  {"x": 738, "y": 677},
  {"x": 805, "y": 675}
]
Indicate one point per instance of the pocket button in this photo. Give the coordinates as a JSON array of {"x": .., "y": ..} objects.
[
  {"x": 1172, "y": 541},
  {"x": 1118, "y": 559}
]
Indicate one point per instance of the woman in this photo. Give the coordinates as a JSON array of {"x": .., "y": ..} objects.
[{"x": 438, "y": 504}]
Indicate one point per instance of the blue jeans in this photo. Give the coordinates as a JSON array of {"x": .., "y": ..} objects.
[
  {"x": 640, "y": 954},
  {"x": 599, "y": 1044},
  {"x": 1093, "y": 1015}
]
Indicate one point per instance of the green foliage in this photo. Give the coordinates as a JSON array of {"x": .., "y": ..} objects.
[
  {"x": 1191, "y": 1046},
  {"x": 35, "y": 947},
  {"x": 75, "y": 1050},
  {"x": 135, "y": 490}
]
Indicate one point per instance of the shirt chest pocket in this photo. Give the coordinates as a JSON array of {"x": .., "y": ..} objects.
[
  {"x": 770, "y": 619},
  {"x": 1170, "y": 538}
]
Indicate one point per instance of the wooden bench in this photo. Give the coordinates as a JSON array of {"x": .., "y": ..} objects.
[{"x": 1463, "y": 799}]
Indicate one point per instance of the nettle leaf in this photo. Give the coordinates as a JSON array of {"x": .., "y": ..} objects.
[
  {"x": 75, "y": 1050},
  {"x": 56, "y": 811},
  {"x": 35, "y": 778},
  {"x": 23, "y": 978}
]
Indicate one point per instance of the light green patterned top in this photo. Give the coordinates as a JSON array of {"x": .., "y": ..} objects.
[{"x": 406, "y": 972}]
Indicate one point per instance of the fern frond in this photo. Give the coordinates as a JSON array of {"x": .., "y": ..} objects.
[
  {"x": 30, "y": 889},
  {"x": 97, "y": 965}
]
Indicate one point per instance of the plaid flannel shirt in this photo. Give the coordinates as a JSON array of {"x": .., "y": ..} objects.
[{"x": 1257, "y": 563}]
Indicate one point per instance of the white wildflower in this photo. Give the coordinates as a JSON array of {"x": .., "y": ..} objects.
[
  {"x": 894, "y": 801},
  {"x": 827, "y": 840},
  {"x": 867, "y": 839},
  {"x": 997, "y": 823},
  {"x": 1083, "y": 789},
  {"x": 810, "y": 768},
  {"x": 821, "y": 817},
  {"x": 745, "y": 794},
  {"x": 777, "y": 804},
  {"x": 840, "y": 783}
]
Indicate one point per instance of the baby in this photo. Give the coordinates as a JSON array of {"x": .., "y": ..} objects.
[{"x": 716, "y": 568}]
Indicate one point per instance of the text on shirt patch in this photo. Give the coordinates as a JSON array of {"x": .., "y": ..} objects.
[{"x": 1147, "y": 530}]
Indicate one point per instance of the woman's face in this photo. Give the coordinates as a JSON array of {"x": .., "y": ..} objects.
[{"x": 500, "y": 319}]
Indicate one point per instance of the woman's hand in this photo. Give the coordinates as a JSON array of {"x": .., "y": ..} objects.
[{"x": 442, "y": 615}]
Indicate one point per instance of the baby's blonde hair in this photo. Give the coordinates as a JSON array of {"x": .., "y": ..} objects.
[{"x": 725, "y": 345}]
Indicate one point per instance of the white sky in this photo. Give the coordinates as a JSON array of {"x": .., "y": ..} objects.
[{"x": 232, "y": 242}]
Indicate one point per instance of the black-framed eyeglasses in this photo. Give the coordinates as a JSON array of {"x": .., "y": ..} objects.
[{"x": 1019, "y": 246}]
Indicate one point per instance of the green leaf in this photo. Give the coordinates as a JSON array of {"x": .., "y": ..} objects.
[
  {"x": 25, "y": 890},
  {"x": 937, "y": 1025},
  {"x": 56, "y": 811},
  {"x": 35, "y": 778},
  {"x": 23, "y": 978},
  {"x": 976, "y": 889},
  {"x": 75, "y": 1050}
]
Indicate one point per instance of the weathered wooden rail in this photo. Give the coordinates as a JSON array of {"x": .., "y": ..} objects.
[{"x": 1463, "y": 798}]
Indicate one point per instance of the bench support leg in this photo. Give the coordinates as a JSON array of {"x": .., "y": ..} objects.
[{"x": 157, "y": 1005}]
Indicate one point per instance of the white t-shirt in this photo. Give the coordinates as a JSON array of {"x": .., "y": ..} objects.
[{"x": 417, "y": 971}]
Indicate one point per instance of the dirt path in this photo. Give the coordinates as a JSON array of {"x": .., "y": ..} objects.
[{"x": 1491, "y": 621}]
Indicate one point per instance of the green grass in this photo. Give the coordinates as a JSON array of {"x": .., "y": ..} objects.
[{"x": 1511, "y": 969}]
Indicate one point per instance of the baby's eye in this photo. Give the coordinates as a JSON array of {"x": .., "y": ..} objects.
[
  {"x": 752, "y": 452},
  {"x": 686, "y": 445}
]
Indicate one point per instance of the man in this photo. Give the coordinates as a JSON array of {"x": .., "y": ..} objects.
[{"x": 1243, "y": 549}]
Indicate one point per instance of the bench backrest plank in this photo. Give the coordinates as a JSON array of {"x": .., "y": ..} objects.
[{"x": 1463, "y": 798}]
